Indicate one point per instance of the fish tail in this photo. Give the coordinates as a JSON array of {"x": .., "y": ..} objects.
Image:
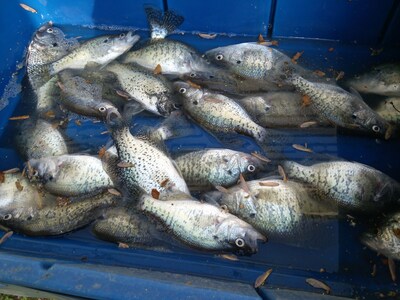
[
  {"x": 161, "y": 24},
  {"x": 272, "y": 142}
]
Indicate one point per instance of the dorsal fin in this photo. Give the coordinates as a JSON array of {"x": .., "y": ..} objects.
[{"x": 161, "y": 24}]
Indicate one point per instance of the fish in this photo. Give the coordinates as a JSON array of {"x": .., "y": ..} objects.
[
  {"x": 69, "y": 175},
  {"x": 37, "y": 138},
  {"x": 221, "y": 114},
  {"x": 151, "y": 165},
  {"x": 81, "y": 97},
  {"x": 381, "y": 80},
  {"x": 202, "y": 226},
  {"x": 353, "y": 186},
  {"x": 215, "y": 167},
  {"x": 385, "y": 239},
  {"x": 56, "y": 220},
  {"x": 99, "y": 51},
  {"x": 283, "y": 210},
  {"x": 174, "y": 57},
  {"x": 153, "y": 92},
  {"x": 344, "y": 109},
  {"x": 279, "y": 109},
  {"x": 46, "y": 97}
]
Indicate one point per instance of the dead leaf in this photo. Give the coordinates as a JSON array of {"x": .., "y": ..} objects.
[
  {"x": 318, "y": 284},
  {"x": 19, "y": 118},
  {"x": 114, "y": 192},
  {"x": 232, "y": 257},
  {"x": 302, "y": 148},
  {"x": 260, "y": 157},
  {"x": 6, "y": 236},
  {"x": 102, "y": 151},
  {"x": 104, "y": 132},
  {"x": 193, "y": 85},
  {"x": 125, "y": 164},
  {"x": 2, "y": 177},
  {"x": 306, "y": 100},
  {"x": 297, "y": 56},
  {"x": 164, "y": 182},
  {"x": 123, "y": 245},
  {"x": 262, "y": 278},
  {"x": 19, "y": 185},
  {"x": 221, "y": 189},
  {"x": 339, "y": 76},
  {"x": 50, "y": 114},
  {"x": 319, "y": 73},
  {"x": 268, "y": 183},
  {"x": 260, "y": 39},
  {"x": 282, "y": 173},
  {"x": 308, "y": 124},
  {"x": 331, "y": 49},
  {"x": 207, "y": 36},
  {"x": 392, "y": 269},
  {"x": 78, "y": 122},
  {"x": 28, "y": 8},
  {"x": 157, "y": 70},
  {"x": 155, "y": 194}
]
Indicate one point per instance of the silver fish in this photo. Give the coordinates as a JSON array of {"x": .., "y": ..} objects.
[
  {"x": 353, "y": 186},
  {"x": 202, "y": 225},
  {"x": 69, "y": 175},
  {"x": 100, "y": 51}
]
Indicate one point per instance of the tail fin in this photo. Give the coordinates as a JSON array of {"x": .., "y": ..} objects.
[{"x": 162, "y": 25}]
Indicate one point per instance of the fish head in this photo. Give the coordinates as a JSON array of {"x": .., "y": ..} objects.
[
  {"x": 249, "y": 163},
  {"x": 48, "y": 35},
  {"x": 192, "y": 96},
  {"x": 102, "y": 108},
  {"x": 43, "y": 169},
  {"x": 116, "y": 44},
  {"x": 368, "y": 120},
  {"x": 165, "y": 104}
]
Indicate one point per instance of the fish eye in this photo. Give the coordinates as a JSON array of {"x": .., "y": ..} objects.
[
  {"x": 182, "y": 90},
  {"x": 106, "y": 40},
  {"x": 219, "y": 57},
  {"x": 49, "y": 30},
  {"x": 192, "y": 75},
  {"x": 102, "y": 109},
  {"x": 238, "y": 62},
  {"x": 122, "y": 35},
  {"x": 251, "y": 168},
  {"x": 7, "y": 217},
  {"x": 239, "y": 242},
  {"x": 224, "y": 207},
  {"x": 230, "y": 172},
  {"x": 376, "y": 128}
]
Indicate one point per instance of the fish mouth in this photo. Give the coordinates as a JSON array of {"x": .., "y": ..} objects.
[
  {"x": 130, "y": 38},
  {"x": 113, "y": 117}
]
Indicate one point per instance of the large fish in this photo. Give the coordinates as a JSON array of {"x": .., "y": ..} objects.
[
  {"x": 202, "y": 225},
  {"x": 353, "y": 186}
]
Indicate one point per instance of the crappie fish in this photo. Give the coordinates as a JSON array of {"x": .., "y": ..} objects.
[
  {"x": 38, "y": 138},
  {"x": 153, "y": 92},
  {"x": 69, "y": 175},
  {"x": 174, "y": 57},
  {"x": 284, "y": 210},
  {"x": 55, "y": 220},
  {"x": 382, "y": 80},
  {"x": 141, "y": 165},
  {"x": 353, "y": 186},
  {"x": 100, "y": 51},
  {"x": 342, "y": 108},
  {"x": 221, "y": 114},
  {"x": 215, "y": 167},
  {"x": 386, "y": 238},
  {"x": 81, "y": 97},
  {"x": 278, "y": 109},
  {"x": 202, "y": 225}
]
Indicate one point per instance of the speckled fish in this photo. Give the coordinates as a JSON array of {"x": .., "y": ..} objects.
[
  {"x": 382, "y": 80},
  {"x": 153, "y": 92},
  {"x": 202, "y": 225},
  {"x": 38, "y": 138},
  {"x": 221, "y": 114},
  {"x": 46, "y": 97},
  {"x": 284, "y": 210},
  {"x": 81, "y": 97},
  {"x": 144, "y": 165},
  {"x": 342, "y": 108},
  {"x": 55, "y": 220},
  {"x": 121, "y": 225},
  {"x": 48, "y": 45},
  {"x": 386, "y": 238},
  {"x": 353, "y": 186},
  {"x": 215, "y": 167},
  {"x": 100, "y": 51},
  {"x": 279, "y": 109},
  {"x": 69, "y": 175},
  {"x": 174, "y": 57}
]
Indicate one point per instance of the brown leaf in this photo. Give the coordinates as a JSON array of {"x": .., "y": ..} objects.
[
  {"x": 268, "y": 183},
  {"x": 50, "y": 114},
  {"x": 260, "y": 157},
  {"x": 308, "y": 124},
  {"x": 155, "y": 194},
  {"x": 19, "y": 185},
  {"x": 16, "y": 118},
  {"x": 2, "y": 177},
  {"x": 11, "y": 171},
  {"x": 28, "y": 8},
  {"x": 207, "y": 36},
  {"x": 78, "y": 122},
  {"x": 282, "y": 173},
  {"x": 125, "y": 164},
  {"x": 157, "y": 70},
  {"x": 339, "y": 76},
  {"x": 193, "y": 85},
  {"x": 318, "y": 284},
  {"x": 102, "y": 151},
  {"x": 123, "y": 245},
  {"x": 331, "y": 49},
  {"x": 302, "y": 148},
  {"x": 319, "y": 73},
  {"x": 114, "y": 192},
  {"x": 260, "y": 39},
  {"x": 232, "y": 257},
  {"x": 262, "y": 278},
  {"x": 274, "y": 43},
  {"x": 392, "y": 269},
  {"x": 297, "y": 56},
  {"x": 60, "y": 85},
  {"x": 6, "y": 236},
  {"x": 306, "y": 100},
  {"x": 164, "y": 182}
]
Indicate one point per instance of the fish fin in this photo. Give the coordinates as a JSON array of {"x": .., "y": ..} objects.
[
  {"x": 131, "y": 109},
  {"x": 161, "y": 24},
  {"x": 176, "y": 125},
  {"x": 213, "y": 198},
  {"x": 354, "y": 92}
]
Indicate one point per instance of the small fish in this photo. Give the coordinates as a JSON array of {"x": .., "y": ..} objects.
[
  {"x": 69, "y": 175},
  {"x": 318, "y": 284},
  {"x": 202, "y": 225},
  {"x": 262, "y": 278}
]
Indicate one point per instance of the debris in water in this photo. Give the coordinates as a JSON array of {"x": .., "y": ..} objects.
[
  {"x": 319, "y": 73},
  {"x": 157, "y": 70},
  {"x": 207, "y": 36},
  {"x": 318, "y": 284},
  {"x": 305, "y": 100},
  {"x": 260, "y": 157},
  {"x": 123, "y": 245},
  {"x": 155, "y": 194},
  {"x": 78, "y": 122},
  {"x": 297, "y": 56},
  {"x": 19, "y": 118},
  {"x": 28, "y": 8},
  {"x": 102, "y": 151},
  {"x": 308, "y": 124},
  {"x": 232, "y": 257},
  {"x": 125, "y": 164},
  {"x": 6, "y": 236},
  {"x": 302, "y": 148},
  {"x": 262, "y": 278},
  {"x": 339, "y": 76},
  {"x": 11, "y": 171},
  {"x": 268, "y": 183},
  {"x": 164, "y": 182}
]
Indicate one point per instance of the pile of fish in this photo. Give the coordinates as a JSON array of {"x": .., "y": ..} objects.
[{"x": 135, "y": 193}]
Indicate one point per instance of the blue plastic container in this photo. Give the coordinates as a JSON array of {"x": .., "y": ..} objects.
[{"x": 335, "y": 35}]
